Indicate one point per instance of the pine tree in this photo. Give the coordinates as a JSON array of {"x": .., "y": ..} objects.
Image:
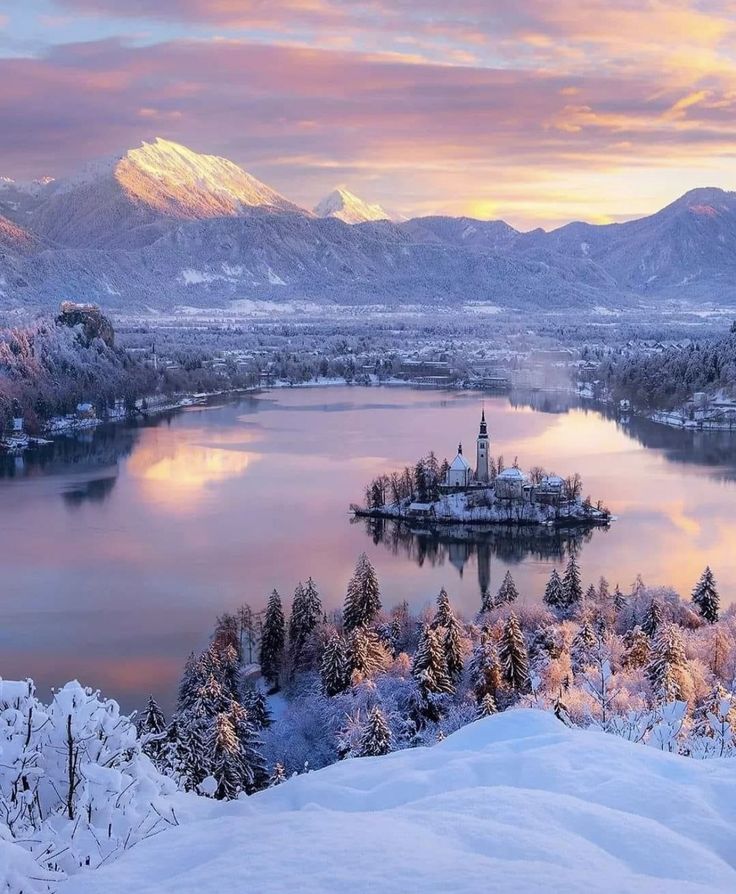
[
  {"x": 255, "y": 703},
  {"x": 444, "y": 610},
  {"x": 194, "y": 749},
  {"x": 571, "y": 585},
  {"x": 619, "y": 600},
  {"x": 705, "y": 596},
  {"x": 667, "y": 664},
  {"x": 429, "y": 668},
  {"x": 226, "y": 767},
  {"x": 604, "y": 590},
  {"x": 306, "y": 614},
  {"x": 363, "y": 598},
  {"x": 652, "y": 619},
  {"x": 252, "y": 764},
  {"x": 453, "y": 645},
  {"x": 272, "y": 641},
  {"x": 513, "y": 655},
  {"x": 487, "y": 706},
  {"x": 582, "y": 645},
  {"x": 152, "y": 729},
  {"x": 335, "y": 667},
  {"x": 366, "y": 654},
  {"x": 485, "y": 669},
  {"x": 554, "y": 592},
  {"x": 507, "y": 592},
  {"x": 375, "y": 739},
  {"x": 637, "y": 645},
  {"x": 591, "y": 595},
  {"x": 278, "y": 776},
  {"x": 487, "y": 602}
]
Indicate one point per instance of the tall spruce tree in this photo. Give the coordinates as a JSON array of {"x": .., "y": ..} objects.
[
  {"x": 429, "y": 667},
  {"x": 507, "y": 592},
  {"x": 363, "y": 598},
  {"x": 375, "y": 739},
  {"x": 444, "y": 610},
  {"x": 619, "y": 600},
  {"x": 653, "y": 618},
  {"x": 554, "y": 592},
  {"x": 487, "y": 706},
  {"x": 272, "y": 641},
  {"x": 335, "y": 666},
  {"x": 306, "y": 614},
  {"x": 513, "y": 656},
  {"x": 152, "y": 729},
  {"x": 667, "y": 664},
  {"x": 252, "y": 764},
  {"x": 452, "y": 643},
  {"x": 226, "y": 766},
  {"x": 705, "y": 596},
  {"x": 571, "y": 584},
  {"x": 484, "y": 668}
]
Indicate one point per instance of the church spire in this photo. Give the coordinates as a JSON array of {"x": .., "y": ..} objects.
[{"x": 483, "y": 433}]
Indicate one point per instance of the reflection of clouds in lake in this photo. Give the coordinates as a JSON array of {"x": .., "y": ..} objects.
[{"x": 178, "y": 476}]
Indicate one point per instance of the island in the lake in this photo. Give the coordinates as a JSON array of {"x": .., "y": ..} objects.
[{"x": 452, "y": 493}]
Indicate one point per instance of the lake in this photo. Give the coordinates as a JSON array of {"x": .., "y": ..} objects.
[{"x": 120, "y": 546}]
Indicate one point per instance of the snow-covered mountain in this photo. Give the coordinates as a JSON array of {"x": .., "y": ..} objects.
[
  {"x": 516, "y": 802},
  {"x": 132, "y": 199},
  {"x": 347, "y": 207},
  {"x": 161, "y": 226}
]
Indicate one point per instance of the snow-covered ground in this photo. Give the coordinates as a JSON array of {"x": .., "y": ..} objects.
[{"x": 515, "y": 802}]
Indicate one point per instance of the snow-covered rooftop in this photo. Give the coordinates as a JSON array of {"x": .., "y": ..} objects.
[
  {"x": 459, "y": 464},
  {"x": 512, "y": 474}
]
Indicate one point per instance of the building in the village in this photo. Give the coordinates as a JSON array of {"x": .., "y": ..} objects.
[{"x": 459, "y": 474}]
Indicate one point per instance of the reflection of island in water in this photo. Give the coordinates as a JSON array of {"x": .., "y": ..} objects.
[{"x": 457, "y": 544}]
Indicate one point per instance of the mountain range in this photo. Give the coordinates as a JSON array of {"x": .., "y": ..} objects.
[{"x": 162, "y": 226}]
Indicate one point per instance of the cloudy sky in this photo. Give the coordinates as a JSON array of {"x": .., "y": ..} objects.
[{"x": 537, "y": 111}]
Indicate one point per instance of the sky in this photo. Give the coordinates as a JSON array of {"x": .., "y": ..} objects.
[{"x": 534, "y": 111}]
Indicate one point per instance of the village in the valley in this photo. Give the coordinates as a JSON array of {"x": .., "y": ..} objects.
[{"x": 453, "y": 493}]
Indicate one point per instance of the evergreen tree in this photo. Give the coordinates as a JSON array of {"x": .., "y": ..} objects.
[
  {"x": 637, "y": 644},
  {"x": 278, "y": 776},
  {"x": 513, "y": 656},
  {"x": 429, "y": 667},
  {"x": 591, "y": 595},
  {"x": 453, "y": 646},
  {"x": 272, "y": 641},
  {"x": 487, "y": 706},
  {"x": 363, "y": 598},
  {"x": 705, "y": 596},
  {"x": 554, "y": 592},
  {"x": 306, "y": 614},
  {"x": 485, "y": 669},
  {"x": 366, "y": 654},
  {"x": 444, "y": 610},
  {"x": 571, "y": 585},
  {"x": 487, "y": 602},
  {"x": 667, "y": 664},
  {"x": 255, "y": 703},
  {"x": 507, "y": 592},
  {"x": 252, "y": 764},
  {"x": 194, "y": 749},
  {"x": 226, "y": 768},
  {"x": 604, "y": 590},
  {"x": 619, "y": 600},
  {"x": 652, "y": 619},
  {"x": 581, "y": 647},
  {"x": 335, "y": 667},
  {"x": 375, "y": 739},
  {"x": 152, "y": 729}
]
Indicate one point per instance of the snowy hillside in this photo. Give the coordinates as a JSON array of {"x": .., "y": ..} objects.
[
  {"x": 347, "y": 207},
  {"x": 515, "y": 802}
]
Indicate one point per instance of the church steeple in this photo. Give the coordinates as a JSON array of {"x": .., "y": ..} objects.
[{"x": 481, "y": 468}]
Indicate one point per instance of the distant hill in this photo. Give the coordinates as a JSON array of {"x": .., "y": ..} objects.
[{"x": 161, "y": 226}]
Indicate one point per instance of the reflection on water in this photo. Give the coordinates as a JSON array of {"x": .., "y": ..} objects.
[
  {"x": 463, "y": 546},
  {"x": 119, "y": 547}
]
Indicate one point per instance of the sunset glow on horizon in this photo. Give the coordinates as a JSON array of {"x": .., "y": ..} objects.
[{"x": 533, "y": 112}]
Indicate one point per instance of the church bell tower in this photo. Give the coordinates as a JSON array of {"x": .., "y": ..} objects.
[{"x": 481, "y": 468}]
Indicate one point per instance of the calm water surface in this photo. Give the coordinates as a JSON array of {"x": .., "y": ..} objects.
[{"x": 118, "y": 549}]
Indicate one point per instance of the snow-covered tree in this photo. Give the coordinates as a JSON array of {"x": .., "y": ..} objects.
[
  {"x": 444, "y": 610},
  {"x": 571, "y": 584},
  {"x": 652, "y": 618},
  {"x": 272, "y": 640},
  {"x": 363, "y": 598},
  {"x": 453, "y": 643},
  {"x": 152, "y": 728},
  {"x": 375, "y": 739},
  {"x": 485, "y": 669},
  {"x": 306, "y": 614},
  {"x": 226, "y": 766},
  {"x": 667, "y": 667},
  {"x": 487, "y": 706},
  {"x": 430, "y": 664},
  {"x": 705, "y": 596},
  {"x": 278, "y": 776},
  {"x": 513, "y": 655},
  {"x": 582, "y": 646},
  {"x": 554, "y": 592},
  {"x": 507, "y": 592},
  {"x": 637, "y": 646},
  {"x": 335, "y": 669}
]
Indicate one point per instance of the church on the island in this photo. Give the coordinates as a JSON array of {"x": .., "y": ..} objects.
[
  {"x": 508, "y": 484},
  {"x": 460, "y": 473}
]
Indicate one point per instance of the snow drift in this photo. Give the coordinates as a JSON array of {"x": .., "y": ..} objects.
[{"x": 515, "y": 802}]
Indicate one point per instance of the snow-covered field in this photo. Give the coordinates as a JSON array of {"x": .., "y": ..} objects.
[{"x": 515, "y": 802}]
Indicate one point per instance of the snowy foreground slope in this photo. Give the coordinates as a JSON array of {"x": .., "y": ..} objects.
[{"x": 515, "y": 802}]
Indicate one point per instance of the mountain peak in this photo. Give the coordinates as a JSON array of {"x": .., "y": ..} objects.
[{"x": 347, "y": 207}]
